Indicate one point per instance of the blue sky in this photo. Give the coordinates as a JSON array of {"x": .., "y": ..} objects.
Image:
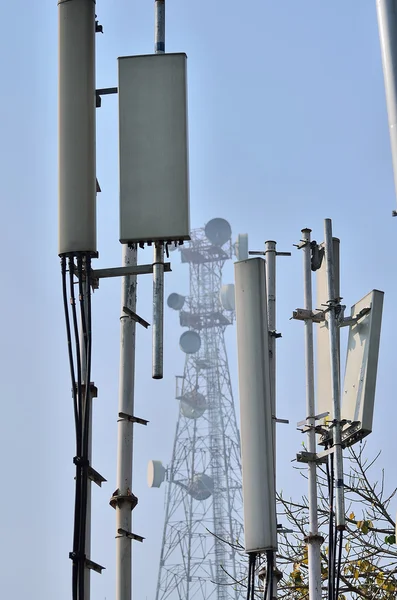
[{"x": 288, "y": 126}]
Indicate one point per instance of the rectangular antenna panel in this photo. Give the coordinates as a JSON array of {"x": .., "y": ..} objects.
[
  {"x": 358, "y": 392},
  {"x": 153, "y": 141},
  {"x": 257, "y": 442},
  {"x": 323, "y": 357}
]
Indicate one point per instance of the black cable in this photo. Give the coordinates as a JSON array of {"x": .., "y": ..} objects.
[
  {"x": 76, "y": 527},
  {"x": 79, "y": 532},
  {"x": 339, "y": 564},
  {"x": 270, "y": 568},
  {"x": 69, "y": 339},
  {"x": 334, "y": 563},
  {"x": 85, "y": 304},
  {"x": 331, "y": 571},
  {"x": 253, "y": 575},
  {"x": 249, "y": 578}
]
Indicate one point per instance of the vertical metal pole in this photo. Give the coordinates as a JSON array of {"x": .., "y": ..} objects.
[
  {"x": 333, "y": 304},
  {"x": 271, "y": 319},
  {"x": 313, "y": 539},
  {"x": 271, "y": 315},
  {"x": 387, "y": 23},
  {"x": 125, "y": 430},
  {"x": 158, "y": 254}
]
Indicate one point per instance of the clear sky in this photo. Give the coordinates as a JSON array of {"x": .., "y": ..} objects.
[{"x": 288, "y": 126}]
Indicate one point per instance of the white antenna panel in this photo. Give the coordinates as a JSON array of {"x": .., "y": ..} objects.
[
  {"x": 323, "y": 358},
  {"x": 358, "y": 392},
  {"x": 153, "y": 139}
]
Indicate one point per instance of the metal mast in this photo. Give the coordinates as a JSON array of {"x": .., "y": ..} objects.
[{"x": 204, "y": 497}]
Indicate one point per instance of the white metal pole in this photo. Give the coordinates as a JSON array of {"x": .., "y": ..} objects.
[
  {"x": 271, "y": 316},
  {"x": 333, "y": 305},
  {"x": 314, "y": 540},
  {"x": 271, "y": 254},
  {"x": 158, "y": 254},
  {"x": 125, "y": 430},
  {"x": 387, "y": 23}
]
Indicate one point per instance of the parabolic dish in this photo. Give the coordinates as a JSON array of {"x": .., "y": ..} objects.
[
  {"x": 218, "y": 231},
  {"x": 193, "y": 405},
  {"x": 201, "y": 487},
  {"x": 227, "y": 297},
  {"x": 176, "y": 301},
  {"x": 190, "y": 342},
  {"x": 155, "y": 473}
]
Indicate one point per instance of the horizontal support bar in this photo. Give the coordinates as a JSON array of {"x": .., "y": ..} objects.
[
  {"x": 135, "y": 317},
  {"x": 106, "y": 91},
  {"x": 124, "y": 271},
  {"x": 96, "y": 477},
  {"x": 302, "y": 314},
  {"x": 307, "y": 457},
  {"x": 90, "y": 564},
  {"x": 137, "y": 420},
  {"x": 131, "y": 536}
]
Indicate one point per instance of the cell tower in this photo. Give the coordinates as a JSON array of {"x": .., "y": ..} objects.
[{"x": 204, "y": 493}]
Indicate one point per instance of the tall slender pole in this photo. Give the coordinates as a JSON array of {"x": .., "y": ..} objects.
[
  {"x": 387, "y": 23},
  {"x": 333, "y": 307},
  {"x": 313, "y": 539},
  {"x": 158, "y": 254},
  {"x": 271, "y": 319},
  {"x": 271, "y": 316},
  {"x": 124, "y": 505}
]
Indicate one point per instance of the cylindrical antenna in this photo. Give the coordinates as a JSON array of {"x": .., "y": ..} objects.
[
  {"x": 77, "y": 170},
  {"x": 314, "y": 540},
  {"x": 333, "y": 305},
  {"x": 158, "y": 254},
  {"x": 387, "y": 23},
  {"x": 257, "y": 448}
]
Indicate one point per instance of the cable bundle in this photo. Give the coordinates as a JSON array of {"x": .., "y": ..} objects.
[
  {"x": 268, "y": 584},
  {"x": 334, "y": 544},
  {"x": 79, "y": 350}
]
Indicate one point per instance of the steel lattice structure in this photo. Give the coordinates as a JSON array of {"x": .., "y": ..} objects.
[{"x": 204, "y": 495}]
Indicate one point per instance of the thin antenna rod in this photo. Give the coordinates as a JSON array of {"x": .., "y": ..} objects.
[
  {"x": 314, "y": 540},
  {"x": 158, "y": 254},
  {"x": 334, "y": 305}
]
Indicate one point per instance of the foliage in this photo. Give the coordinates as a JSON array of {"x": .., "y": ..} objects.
[{"x": 369, "y": 553}]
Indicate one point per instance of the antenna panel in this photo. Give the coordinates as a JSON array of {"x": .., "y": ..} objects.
[
  {"x": 358, "y": 392},
  {"x": 323, "y": 356},
  {"x": 153, "y": 140}
]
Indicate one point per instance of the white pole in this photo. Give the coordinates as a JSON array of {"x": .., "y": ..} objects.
[
  {"x": 124, "y": 505},
  {"x": 271, "y": 254},
  {"x": 333, "y": 305},
  {"x": 158, "y": 254},
  {"x": 387, "y": 23},
  {"x": 314, "y": 540},
  {"x": 271, "y": 316}
]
